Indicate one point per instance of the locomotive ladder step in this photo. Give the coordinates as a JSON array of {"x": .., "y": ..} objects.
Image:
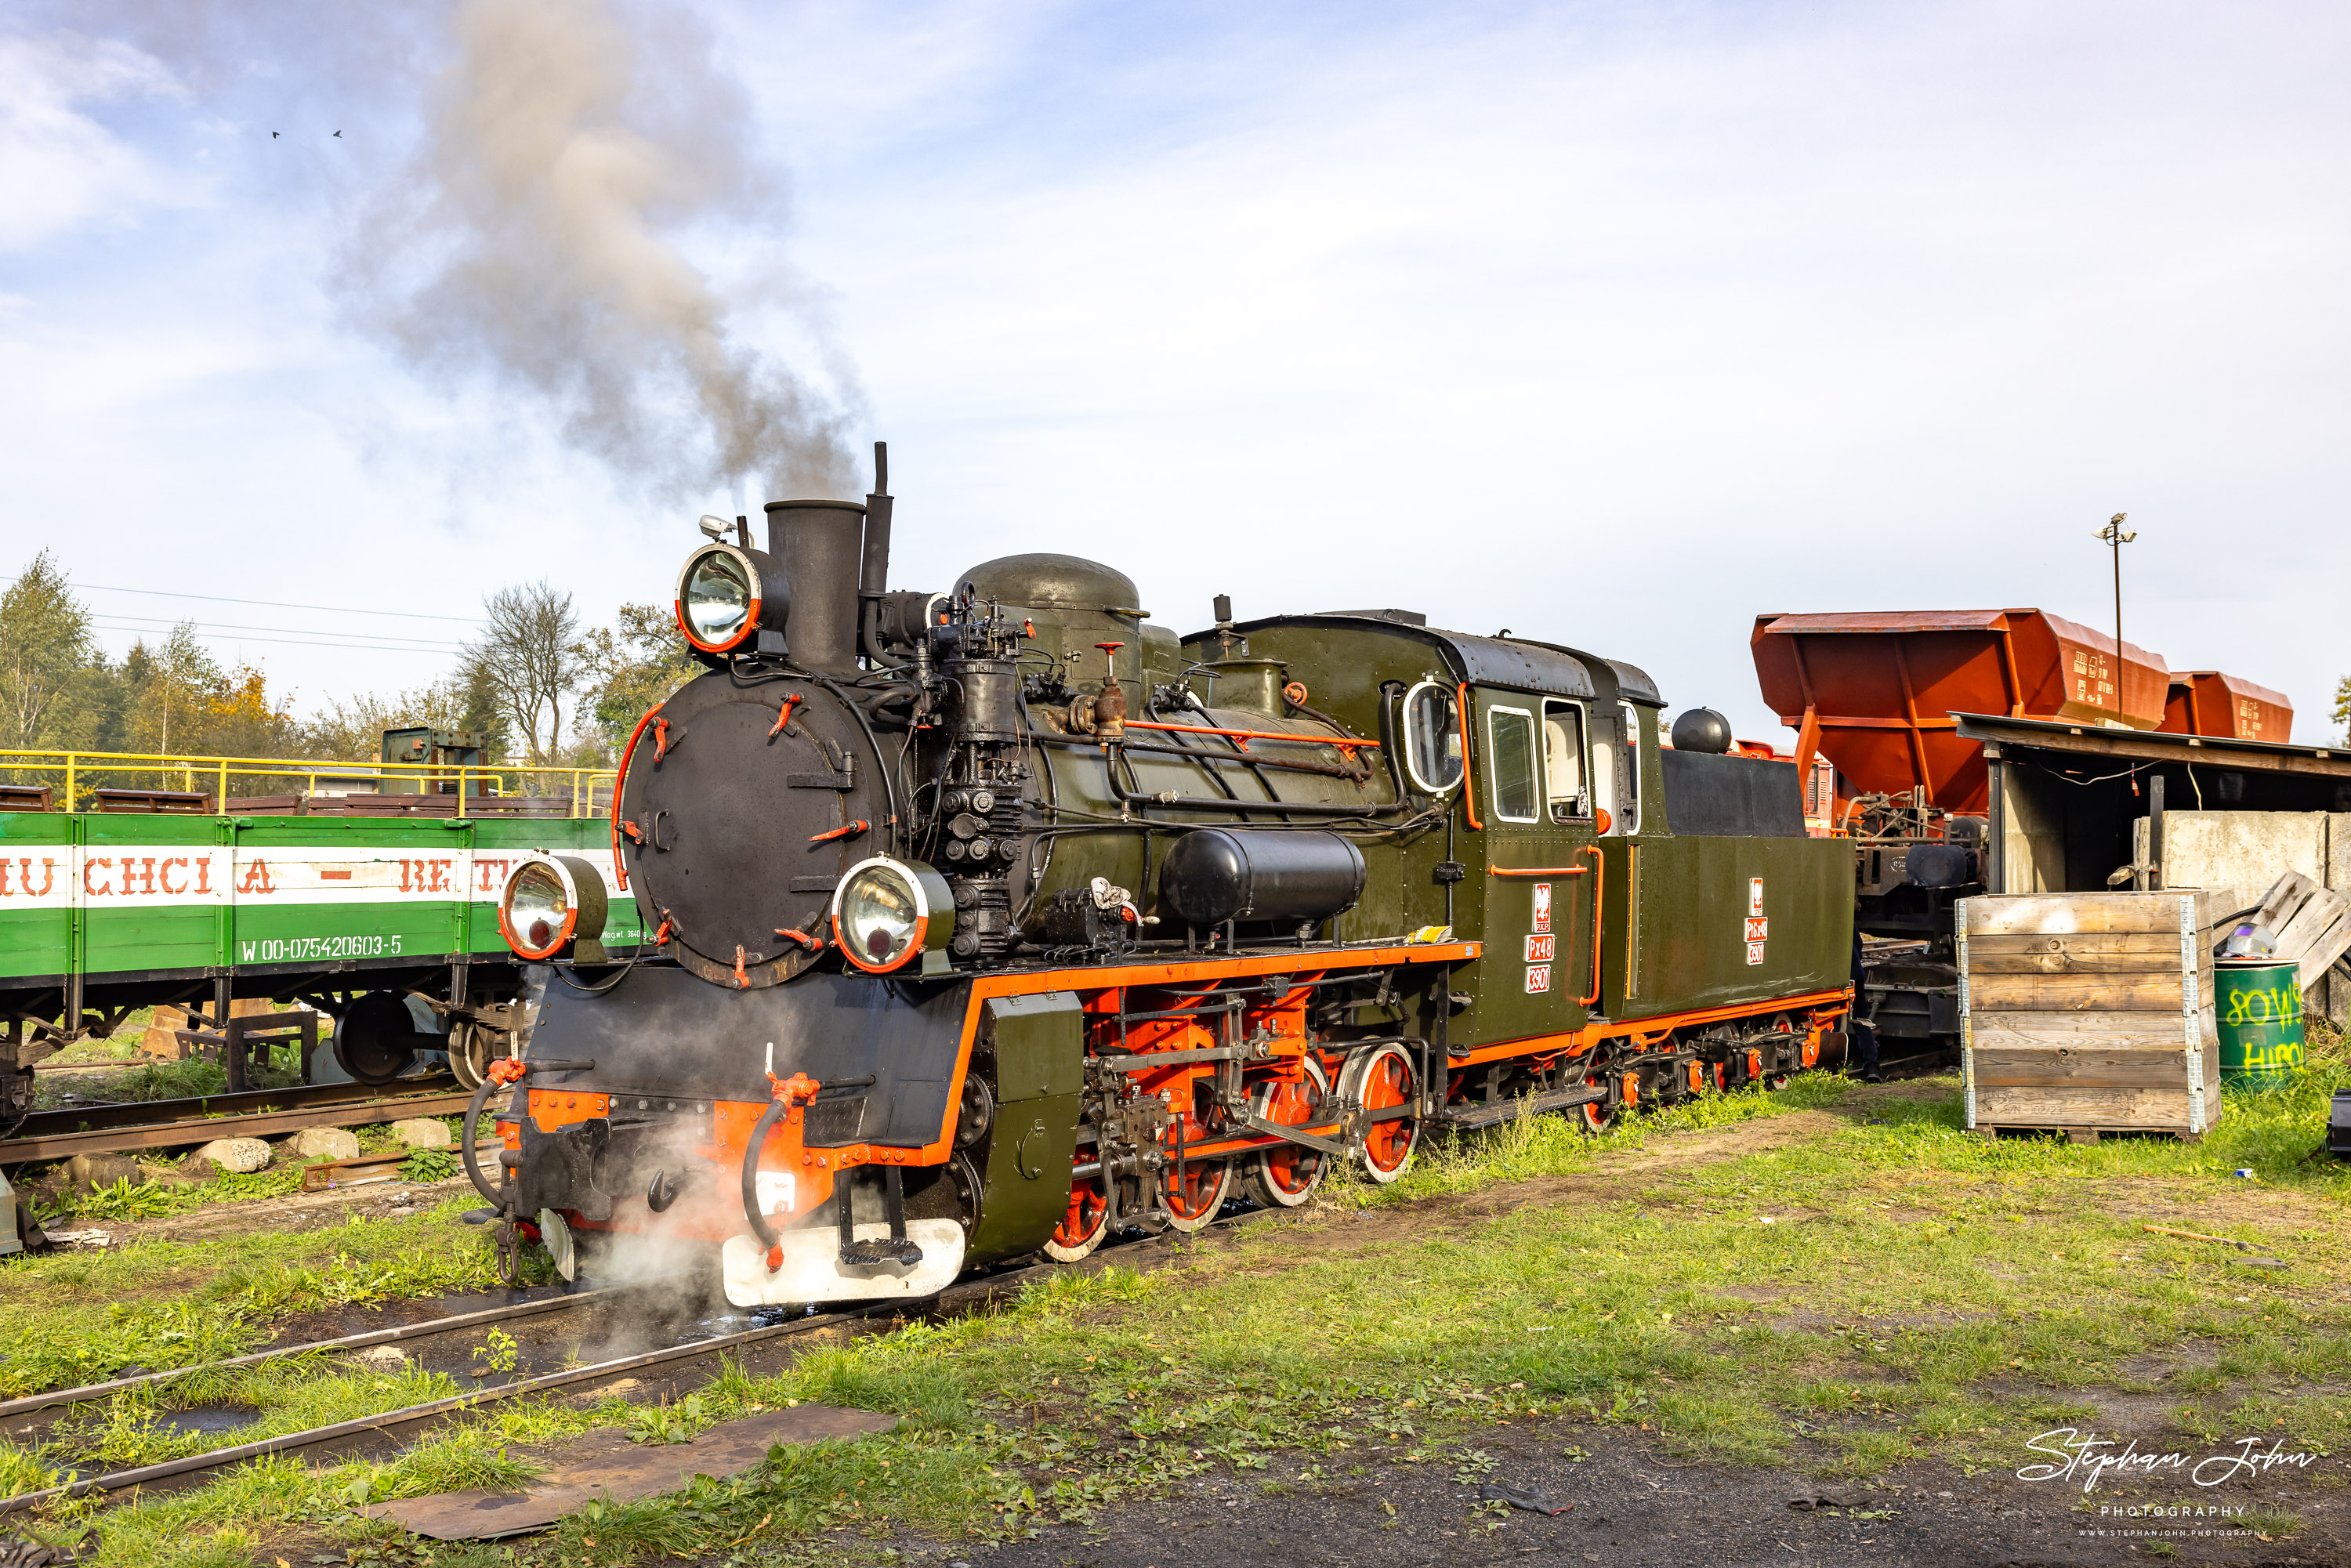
[
  {"x": 883, "y": 1250},
  {"x": 894, "y": 1247}
]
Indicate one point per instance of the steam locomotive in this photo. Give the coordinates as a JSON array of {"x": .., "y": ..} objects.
[{"x": 1003, "y": 920}]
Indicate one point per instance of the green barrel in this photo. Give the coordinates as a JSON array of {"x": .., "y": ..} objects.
[{"x": 2259, "y": 1008}]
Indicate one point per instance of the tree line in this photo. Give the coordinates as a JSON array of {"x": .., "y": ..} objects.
[{"x": 542, "y": 687}]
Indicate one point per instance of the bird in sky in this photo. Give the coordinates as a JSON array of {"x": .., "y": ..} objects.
[
  {"x": 338, "y": 133},
  {"x": 273, "y": 136}
]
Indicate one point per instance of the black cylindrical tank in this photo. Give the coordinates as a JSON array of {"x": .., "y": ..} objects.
[
  {"x": 1702, "y": 729},
  {"x": 1216, "y": 874},
  {"x": 821, "y": 546},
  {"x": 988, "y": 693}
]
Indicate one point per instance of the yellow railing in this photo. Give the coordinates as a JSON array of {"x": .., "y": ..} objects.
[{"x": 192, "y": 775}]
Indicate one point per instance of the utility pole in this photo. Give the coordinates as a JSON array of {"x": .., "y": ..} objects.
[{"x": 2112, "y": 534}]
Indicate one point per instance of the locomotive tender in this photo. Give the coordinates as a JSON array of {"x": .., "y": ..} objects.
[{"x": 1003, "y": 919}]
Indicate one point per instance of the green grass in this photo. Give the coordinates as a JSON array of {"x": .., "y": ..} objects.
[
  {"x": 73, "y": 1318},
  {"x": 1917, "y": 1294}
]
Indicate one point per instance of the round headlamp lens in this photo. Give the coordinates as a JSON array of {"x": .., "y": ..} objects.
[
  {"x": 715, "y": 598},
  {"x": 536, "y": 905},
  {"x": 880, "y": 915}
]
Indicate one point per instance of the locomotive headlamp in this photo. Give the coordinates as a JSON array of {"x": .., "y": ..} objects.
[
  {"x": 726, "y": 593},
  {"x": 551, "y": 899},
  {"x": 887, "y": 911}
]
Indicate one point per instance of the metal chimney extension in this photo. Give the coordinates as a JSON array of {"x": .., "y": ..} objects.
[
  {"x": 873, "y": 575},
  {"x": 819, "y": 544}
]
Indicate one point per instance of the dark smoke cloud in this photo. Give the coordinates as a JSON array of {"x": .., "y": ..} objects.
[{"x": 529, "y": 244}]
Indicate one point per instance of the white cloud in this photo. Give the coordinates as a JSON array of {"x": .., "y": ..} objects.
[{"x": 59, "y": 167}]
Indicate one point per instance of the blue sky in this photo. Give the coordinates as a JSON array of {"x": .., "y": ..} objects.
[{"x": 1611, "y": 324}]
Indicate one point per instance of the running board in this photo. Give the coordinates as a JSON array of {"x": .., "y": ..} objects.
[{"x": 1475, "y": 1116}]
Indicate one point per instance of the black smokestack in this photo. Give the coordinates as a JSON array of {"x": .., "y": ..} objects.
[{"x": 819, "y": 544}]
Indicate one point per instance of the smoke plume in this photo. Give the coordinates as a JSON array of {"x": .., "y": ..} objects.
[{"x": 529, "y": 245}]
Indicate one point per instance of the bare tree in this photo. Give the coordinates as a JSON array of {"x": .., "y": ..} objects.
[{"x": 528, "y": 658}]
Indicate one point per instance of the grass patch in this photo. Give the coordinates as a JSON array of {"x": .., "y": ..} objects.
[
  {"x": 73, "y": 1318},
  {"x": 1917, "y": 1292}
]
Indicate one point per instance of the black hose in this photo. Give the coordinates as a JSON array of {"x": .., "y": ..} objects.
[
  {"x": 465, "y": 1142},
  {"x": 760, "y": 1225}
]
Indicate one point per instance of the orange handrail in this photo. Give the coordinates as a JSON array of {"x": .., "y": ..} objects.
[
  {"x": 1468, "y": 780},
  {"x": 621, "y": 778},
  {"x": 1540, "y": 871},
  {"x": 1598, "y": 897}
]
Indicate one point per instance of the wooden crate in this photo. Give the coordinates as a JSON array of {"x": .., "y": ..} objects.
[{"x": 2089, "y": 1013}]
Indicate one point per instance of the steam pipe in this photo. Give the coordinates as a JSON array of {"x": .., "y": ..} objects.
[
  {"x": 760, "y": 1225},
  {"x": 466, "y": 1140},
  {"x": 873, "y": 564}
]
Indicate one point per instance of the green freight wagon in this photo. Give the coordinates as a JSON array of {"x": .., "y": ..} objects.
[{"x": 103, "y": 913}]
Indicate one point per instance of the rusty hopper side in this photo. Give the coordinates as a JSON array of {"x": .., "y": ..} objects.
[
  {"x": 2205, "y": 702},
  {"x": 1875, "y": 691}
]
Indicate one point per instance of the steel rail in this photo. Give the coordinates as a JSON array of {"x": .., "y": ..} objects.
[
  {"x": 122, "y": 1480},
  {"x": 140, "y": 1112},
  {"x": 204, "y": 1129},
  {"x": 430, "y": 1326},
  {"x": 310, "y": 1437}
]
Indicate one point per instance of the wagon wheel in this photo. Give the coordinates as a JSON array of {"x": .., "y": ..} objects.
[
  {"x": 1286, "y": 1175},
  {"x": 1194, "y": 1194},
  {"x": 1193, "y": 1191},
  {"x": 1085, "y": 1224},
  {"x": 1383, "y": 1078},
  {"x": 469, "y": 1054},
  {"x": 1600, "y": 1114}
]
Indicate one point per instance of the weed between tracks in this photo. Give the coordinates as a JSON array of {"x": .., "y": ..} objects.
[{"x": 1915, "y": 1292}]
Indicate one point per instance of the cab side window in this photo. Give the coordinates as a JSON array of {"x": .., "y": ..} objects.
[
  {"x": 1431, "y": 737},
  {"x": 1629, "y": 820},
  {"x": 1510, "y": 737},
  {"x": 1569, "y": 797}
]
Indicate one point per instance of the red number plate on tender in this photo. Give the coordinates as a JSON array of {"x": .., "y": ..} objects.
[
  {"x": 1537, "y": 978},
  {"x": 1541, "y": 949}
]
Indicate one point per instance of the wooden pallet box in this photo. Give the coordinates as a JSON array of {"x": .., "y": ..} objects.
[{"x": 2089, "y": 1013}]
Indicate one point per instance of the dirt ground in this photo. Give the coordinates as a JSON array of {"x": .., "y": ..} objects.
[{"x": 1627, "y": 1506}]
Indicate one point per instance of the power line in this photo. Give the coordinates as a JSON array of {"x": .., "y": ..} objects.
[
  {"x": 298, "y": 642},
  {"x": 278, "y": 604},
  {"x": 236, "y": 626}
]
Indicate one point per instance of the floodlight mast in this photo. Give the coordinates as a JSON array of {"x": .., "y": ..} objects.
[{"x": 2113, "y": 535}]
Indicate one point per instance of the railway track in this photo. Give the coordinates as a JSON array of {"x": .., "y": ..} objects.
[
  {"x": 965, "y": 1295},
  {"x": 122, "y": 1126}
]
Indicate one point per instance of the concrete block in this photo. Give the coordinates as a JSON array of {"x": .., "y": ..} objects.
[
  {"x": 423, "y": 1133},
  {"x": 243, "y": 1155},
  {"x": 325, "y": 1143},
  {"x": 91, "y": 1171},
  {"x": 2248, "y": 851}
]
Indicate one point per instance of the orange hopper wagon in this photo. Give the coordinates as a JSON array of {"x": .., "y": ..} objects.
[
  {"x": 1875, "y": 691},
  {"x": 2205, "y": 702}
]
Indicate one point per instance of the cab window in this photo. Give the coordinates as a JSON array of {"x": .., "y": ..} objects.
[
  {"x": 1510, "y": 737},
  {"x": 1629, "y": 820},
  {"x": 1431, "y": 737},
  {"x": 1564, "y": 781}
]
